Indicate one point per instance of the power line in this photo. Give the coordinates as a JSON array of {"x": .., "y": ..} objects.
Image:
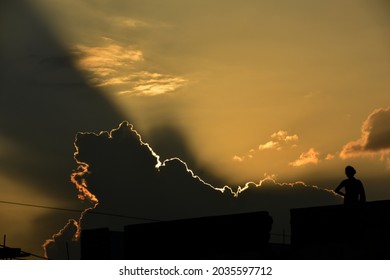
[
  {"x": 40, "y": 206},
  {"x": 78, "y": 211}
]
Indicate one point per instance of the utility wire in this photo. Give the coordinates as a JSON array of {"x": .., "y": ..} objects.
[
  {"x": 78, "y": 211},
  {"x": 93, "y": 212}
]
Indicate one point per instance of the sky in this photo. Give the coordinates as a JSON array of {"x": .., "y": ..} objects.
[{"x": 274, "y": 97}]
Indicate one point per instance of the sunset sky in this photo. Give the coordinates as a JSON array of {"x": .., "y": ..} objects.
[{"x": 238, "y": 90}]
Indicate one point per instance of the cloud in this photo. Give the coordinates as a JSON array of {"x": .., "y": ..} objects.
[
  {"x": 280, "y": 140},
  {"x": 238, "y": 158},
  {"x": 113, "y": 54},
  {"x": 329, "y": 157},
  {"x": 375, "y": 136},
  {"x": 116, "y": 65},
  {"x": 309, "y": 157},
  {"x": 122, "y": 159},
  {"x": 152, "y": 84},
  {"x": 105, "y": 60},
  {"x": 269, "y": 146},
  {"x": 282, "y": 136},
  {"x": 118, "y": 173}
]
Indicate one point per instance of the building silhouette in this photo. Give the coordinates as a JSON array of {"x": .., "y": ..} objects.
[
  {"x": 326, "y": 232},
  {"x": 237, "y": 236},
  {"x": 341, "y": 231},
  {"x": 102, "y": 244}
]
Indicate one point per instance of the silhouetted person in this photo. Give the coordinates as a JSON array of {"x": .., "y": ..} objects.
[{"x": 354, "y": 191}]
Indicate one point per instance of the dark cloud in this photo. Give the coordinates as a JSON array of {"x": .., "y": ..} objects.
[
  {"x": 375, "y": 135},
  {"x": 129, "y": 179},
  {"x": 124, "y": 169}
]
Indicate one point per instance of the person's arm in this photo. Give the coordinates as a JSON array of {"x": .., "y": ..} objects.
[{"x": 338, "y": 189}]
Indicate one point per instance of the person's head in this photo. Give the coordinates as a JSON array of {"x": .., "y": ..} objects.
[{"x": 350, "y": 171}]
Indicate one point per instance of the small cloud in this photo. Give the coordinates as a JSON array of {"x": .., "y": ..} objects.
[
  {"x": 309, "y": 157},
  {"x": 238, "y": 158},
  {"x": 282, "y": 135},
  {"x": 329, "y": 157},
  {"x": 280, "y": 140},
  {"x": 269, "y": 145},
  {"x": 375, "y": 136}
]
